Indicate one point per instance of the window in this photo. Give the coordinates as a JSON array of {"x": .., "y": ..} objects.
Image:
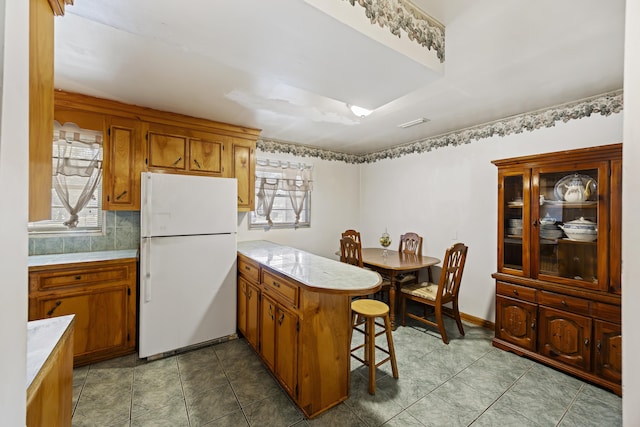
[
  {"x": 76, "y": 192},
  {"x": 283, "y": 195}
]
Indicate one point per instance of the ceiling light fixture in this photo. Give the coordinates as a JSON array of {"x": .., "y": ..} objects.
[
  {"x": 414, "y": 122},
  {"x": 359, "y": 111}
]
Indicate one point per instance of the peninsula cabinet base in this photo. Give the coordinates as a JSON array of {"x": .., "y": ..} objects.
[{"x": 587, "y": 376}]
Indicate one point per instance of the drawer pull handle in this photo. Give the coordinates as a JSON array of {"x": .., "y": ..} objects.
[
  {"x": 281, "y": 319},
  {"x": 197, "y": 163},
  {"x": 177, "y": 161},
  {"x": 50, "y": 312},
  {"x": 599, "y": 346},
  {"x": 249, "y": 292},
  {"x": 119, "y": 196},
  {"x": 586, "y": 342},
  {"x": 78, "y": 277},
  {"x": 276, "y": 284},
  {"x": 515, "y": 292},
  {"x": 533, "y": 325},
  {"x": 246, "y": 267},
  {"x": 271, "y": 311},
  {"x": 563, "y": 302}
]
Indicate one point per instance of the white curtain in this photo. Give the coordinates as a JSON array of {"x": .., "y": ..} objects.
[
  {"x": 79, "y": 155},
  {"x": 293, "y": 178}
]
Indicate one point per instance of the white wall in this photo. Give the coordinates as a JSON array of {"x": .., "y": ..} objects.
[
  {"x": 630, "y": 227},
  {"x": 14, "y": 151},
  {"x": 450, "y": 194},
  {"x": 334, "y": 208}
]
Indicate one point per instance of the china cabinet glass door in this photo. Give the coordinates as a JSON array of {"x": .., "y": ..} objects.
[
  {"x": 570, "y": 226},
  {"x": 513, "y": 228}
]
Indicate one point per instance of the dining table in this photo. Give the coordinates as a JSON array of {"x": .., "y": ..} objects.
[{"x": 391, "y": 264}]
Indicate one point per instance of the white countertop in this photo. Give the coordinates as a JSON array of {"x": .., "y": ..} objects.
[
  {"x": 42, "y": 337},
  {"x": 54, "y": 259},
  {"x": 311, "y": 270}
]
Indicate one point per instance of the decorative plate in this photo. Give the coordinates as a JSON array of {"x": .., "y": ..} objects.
[{"x": 560, "y": 187}]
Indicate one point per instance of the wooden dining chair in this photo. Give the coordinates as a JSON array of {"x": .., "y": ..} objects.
[
  {"x": 355, "y": 235},
  {"x": 351, "y": 251},
  {"x": 410, "y": 245},
  {"x": 436, "y": 296}
]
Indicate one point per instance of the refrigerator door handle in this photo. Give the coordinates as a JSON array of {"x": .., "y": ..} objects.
[
  {"x": 147, "y": 270},
  {"x": 147, "y": 210}
]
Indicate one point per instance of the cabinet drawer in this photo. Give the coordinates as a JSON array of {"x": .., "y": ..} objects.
[
  {"x": 249, "y": 269},
  {"x": 515, "y": 291},
  {"x": 564, "y": 302},
  {"x": 611, "y": 313},
  {"x": 287, "y": 292},
  {"x": 80, "y": 277}
]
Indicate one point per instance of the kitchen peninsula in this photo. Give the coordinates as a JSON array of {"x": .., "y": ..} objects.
[{"x": 294, "y": 310}]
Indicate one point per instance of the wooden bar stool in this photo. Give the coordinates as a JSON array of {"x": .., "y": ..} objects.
[{"x": 364, "y": 312}]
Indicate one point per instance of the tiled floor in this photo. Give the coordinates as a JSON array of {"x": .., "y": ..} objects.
[{"x": 467, "y": 382}]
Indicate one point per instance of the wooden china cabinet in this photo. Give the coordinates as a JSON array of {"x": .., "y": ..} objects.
[{"x": 558, "y": 288}]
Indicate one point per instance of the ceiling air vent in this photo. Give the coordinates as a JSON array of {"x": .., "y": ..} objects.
[{"x": 413, "y": 122}]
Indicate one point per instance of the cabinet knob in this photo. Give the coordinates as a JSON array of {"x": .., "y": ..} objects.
[
  {"x": 533, "y": 325},
  {"x": 563, "y": 302},
  {"x": 598, "y": 346},
  {"x": 515, "y": 292},
  {"x": 586, "y": 342},
  {"x": 78, "y": 277},
  {"x": 276, "y": 284}
]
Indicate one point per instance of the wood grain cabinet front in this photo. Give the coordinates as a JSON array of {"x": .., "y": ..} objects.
[
  {"x": 244, "y": 170},
  {"x": 516, "y": 322},
  {"x": 248, "y": 310},
  {"x": 278, "y": 342},
  {"x": 102, "y": 295},
  {"x": 122, "y": 165}
]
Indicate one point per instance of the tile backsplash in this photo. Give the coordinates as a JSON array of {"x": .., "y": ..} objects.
[{"x": 122, "y": 231}]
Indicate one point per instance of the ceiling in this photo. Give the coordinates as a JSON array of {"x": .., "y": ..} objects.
[{"x": 287, "y": 68}]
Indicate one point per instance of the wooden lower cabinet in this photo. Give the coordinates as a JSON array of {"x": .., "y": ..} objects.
[
  {"x": 608, "y": 350},
  {"x": 279, "y": 342},
  {"x": 248, "y": 309},
  {"x": 517, "y": 320},
  {"x": 101, "y": 294},
  {"x": 304, "y": 335},
  {"x": 565, "y": 337}
]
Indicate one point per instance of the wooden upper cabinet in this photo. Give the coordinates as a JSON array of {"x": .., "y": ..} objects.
[
  {"x": 206, "y": 156},
  {"x": 40, "y": 109},
  {"x": 244, "y": 170},
  {"x": 166, "y": 151},
  {"x": 122, "y": 165}
]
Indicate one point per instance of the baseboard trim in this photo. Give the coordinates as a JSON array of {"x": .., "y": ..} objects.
[{"x": 477, "y": 321}]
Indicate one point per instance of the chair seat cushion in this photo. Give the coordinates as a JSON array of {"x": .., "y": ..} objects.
[{"x": 424, "y": 290}]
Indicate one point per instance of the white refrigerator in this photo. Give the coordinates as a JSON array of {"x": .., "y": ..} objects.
[{"x": 188, "y": 228}]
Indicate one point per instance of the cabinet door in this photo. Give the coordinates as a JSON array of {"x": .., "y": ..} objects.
[
  {"x": 206, "y": 156},
  {"x": 166, "y": 151},
  {"x": 287, "y": 349},
  {"x": 101, "y": 322},
  {"x": 122, "y": 165},
  {"x": 513, "y": 222},
  {"x": 565, "y": 337},
  {"x": 244, "y": 170},
  {"x": 516, "y": 322},
  {"x": 579, "y": 257},
  {"x": 268, "y": 314},
  {"x": 248, "y": 310},
  {"x": 615, "y": 233},
  {"x": 253, "y": 313},
  {"x": 608, "y": 342}
]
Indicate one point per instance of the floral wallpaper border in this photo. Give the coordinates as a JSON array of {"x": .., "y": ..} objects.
[
  {"x": 605, "y": 104},
  {"x": 400, "y": 15}
]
